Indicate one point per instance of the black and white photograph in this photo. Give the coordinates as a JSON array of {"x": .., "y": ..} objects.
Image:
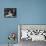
[
  {"x": 31, "y": 34},
  {"x": 10, "y": 13}
]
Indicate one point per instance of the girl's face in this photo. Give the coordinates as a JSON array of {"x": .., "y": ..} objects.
[{"x": 9, "y": 12}]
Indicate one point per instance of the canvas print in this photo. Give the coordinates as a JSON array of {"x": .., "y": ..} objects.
[{"x": 10, "y": 12}]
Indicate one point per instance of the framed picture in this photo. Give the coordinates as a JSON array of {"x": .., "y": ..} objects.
[
  {"x": 32, "y": 32},
  {"x": 10, "y": 12}
]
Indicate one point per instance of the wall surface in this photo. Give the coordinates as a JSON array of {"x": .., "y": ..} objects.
[{"x": 28, "y": 12}]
